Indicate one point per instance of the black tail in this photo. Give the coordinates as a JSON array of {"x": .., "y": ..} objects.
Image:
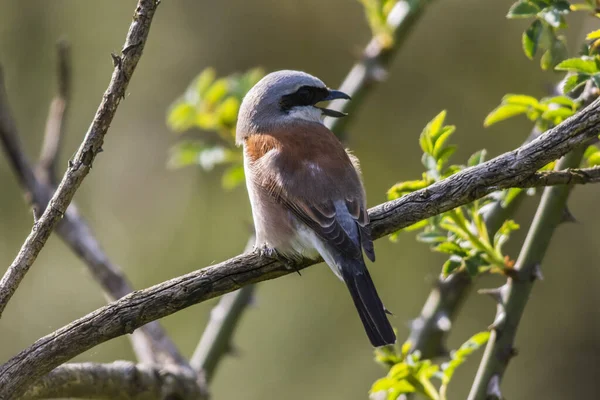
[{"x": 367, "y": 302}]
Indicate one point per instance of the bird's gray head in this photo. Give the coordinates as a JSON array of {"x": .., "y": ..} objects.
[{"x": 281, "y": 98}]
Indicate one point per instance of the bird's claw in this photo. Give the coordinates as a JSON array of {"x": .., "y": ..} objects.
[
  {"x": 269, "y": 252},
  {"x": 272, "y": 253}
]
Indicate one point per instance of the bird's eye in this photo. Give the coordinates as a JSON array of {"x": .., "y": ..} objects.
[{"x": 305, "y": 95}]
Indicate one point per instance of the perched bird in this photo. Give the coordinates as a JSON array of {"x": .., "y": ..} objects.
[{"x": 305, "y": 190}]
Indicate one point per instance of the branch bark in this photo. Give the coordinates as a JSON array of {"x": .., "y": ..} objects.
[
  {"x": 576, "y": 176},
  {"x": 140, "y": 307},
  {"x": 120, "y": 380},
  {"x": 81, "y": 164}
]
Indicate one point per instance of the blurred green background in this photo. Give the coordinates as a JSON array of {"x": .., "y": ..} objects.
[{"x": 303, "y": 338}]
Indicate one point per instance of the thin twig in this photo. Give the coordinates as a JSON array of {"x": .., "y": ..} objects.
[
  {"x": 375, "y": 59},
  {"x": 224, "y": 317},
  {"x": 577, "y": 176},
  {"x": 513, "y": 296},
  {"x": 120, "y": 380},
  {"x": 81, "y": 164},
  {"x": 140, "y": 307},
  {"x": 55, "y": 123}
]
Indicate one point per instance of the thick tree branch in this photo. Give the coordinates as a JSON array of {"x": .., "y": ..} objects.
[
  {"x": 140, "y": 307},
  {"x": 55, "y": 123},
  {"x": 120, "y": 380},
  {"x": 513, "y": 296},
  {"x": 150, "y": 343},
  {"x": 81, "y": 164}
]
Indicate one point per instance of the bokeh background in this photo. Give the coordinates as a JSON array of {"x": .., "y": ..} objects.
[{"x": 302, "y": 339}]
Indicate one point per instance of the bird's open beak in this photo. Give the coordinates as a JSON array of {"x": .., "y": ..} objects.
[{"x": 334, "y": 95}]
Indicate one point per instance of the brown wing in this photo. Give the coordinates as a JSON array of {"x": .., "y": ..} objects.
[{"x": 307, "y": 170}]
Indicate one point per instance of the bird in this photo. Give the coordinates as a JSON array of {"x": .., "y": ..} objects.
[{"x": 305, "y": 188}]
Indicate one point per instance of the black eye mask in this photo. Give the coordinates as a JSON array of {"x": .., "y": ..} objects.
[{"x": 311, "y": 95}]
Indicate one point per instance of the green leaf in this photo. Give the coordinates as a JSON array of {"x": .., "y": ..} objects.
[
  {"x": 472, "y": 265},
  {"x": 562, "y": 100},
  {"x": 520, "y": 99},
  {"x": 181, "y": 116},
  {"x": 416, "y": 226},
  {"x": 460, "y": 355},
  {"x": 523, "y": 9},
  {"x": 431, "y": 237},
  {"x": 531, "y": 38},
  {"x": 594, "y": 160},
  {"x": 425, "y": 142},
  {"x": 451, "y": 248},
  {"x": 585, "y": 65},
  {"x": 574, "y": 81},
  {"x": 557, "y": 115},
  {"x": 556, "y": 53},
  {"x": 503, "y": 234},
  {"x": 399, "y": 371},
  {"x": 583, "y": 7},
  {"x": 436, "y": 124},
  {"x": 503, "y": 112},
  {"x": 216, "y": 92},
  {"x": 403, "y": 188},
  {"x": 591, "y": 149},
  {"x": 510, "y": 195},
  {"x": 227, "y": 112},
  {"x": 477, "y": 158},
  {"x": 445, "y": 154},
  {"x": 593, "y": 35},
  {"x": 562, "y": 6},
  {"x": 440, "y": 141},
  {"x": 450, "y": 266}
]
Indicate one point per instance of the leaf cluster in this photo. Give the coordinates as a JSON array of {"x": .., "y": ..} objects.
[
  {"x": 408, "y": 373},
  {"x": 545, "y": 113},
  {"x": 543, "y": 32},
  {"x": 211, "y": 105},
  {"x": 460, "y": 233}
]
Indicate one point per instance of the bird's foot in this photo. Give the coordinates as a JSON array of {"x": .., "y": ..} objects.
[{"x": 272, "y": 253}]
